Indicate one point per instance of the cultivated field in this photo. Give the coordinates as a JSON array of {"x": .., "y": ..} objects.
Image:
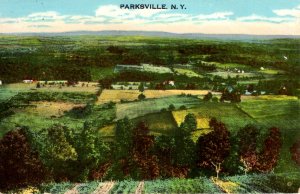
[
  {"x": 9, "y": 90},
  {"x": 225, "y": 74},
  {"x": 231, "y": 115},
  {"x": 50, "y": 109},
  {"x": 131, "y": 95},
  {"x": 202, "y": 122},
  {"x": 141, "y": 108},
  {"x": 158, "y": 123},
  {"x": 187, "y": 72}
]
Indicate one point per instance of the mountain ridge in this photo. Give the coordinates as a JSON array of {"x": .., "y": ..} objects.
[{"x": 157, "y": 34}]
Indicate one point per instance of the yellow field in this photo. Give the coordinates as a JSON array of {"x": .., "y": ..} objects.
[
  {"x": 202, "y": 122},
  {"x": 269, "y": 97},
  {"x": 130, "y": 95},
  {"x": 48, "y": 109},
  {"x": 198, "y": 133},
  {"x": 187, "y": 72}
]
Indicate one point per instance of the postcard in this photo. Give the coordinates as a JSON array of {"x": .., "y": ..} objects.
[{"x": 173, "y": 96}]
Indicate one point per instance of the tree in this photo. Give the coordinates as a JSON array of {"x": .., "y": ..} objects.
[
  {"x": 38, "y": 85},
  {"x": 185, "y": 147},
  {"x": 141, "y": 96},
  {"x": 141, "y": 87},
  {"x": 56, "y": 151},
  {"x": 232, "y": 96},
  {"x": 122, "y": 148},
  {"x": 208, "y": 96},
  {"x": 123, "y": 137},
  {"x": 171, "y": 107},
  {"x": 190, "y": 123},
  {"x": 213, "y": 148},
  {"x": 247, "y": 138},
  {"x": 253, "y": 158},
  {"x": 91, "y": 150},
  {"x": 144, "y": 162},
  {"x": 20, "y": 165},
  {"x": 295, "y": 152},
  {"x": 270, "y": 154}
]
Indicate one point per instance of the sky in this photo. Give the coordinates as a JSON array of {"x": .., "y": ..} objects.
[{"x": 262, "y": 17}]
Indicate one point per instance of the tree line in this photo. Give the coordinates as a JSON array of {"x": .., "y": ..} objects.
[{"x": 59, "y": 153}]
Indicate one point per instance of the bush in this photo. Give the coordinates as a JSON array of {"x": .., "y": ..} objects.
[
  {"x": 215, "y": 99},
  {"x": 163, "y": 110},
  {"x": 141, "y": 96},
  {"x": 171, "y": 107},
  {"x": 182, "y": 107}
]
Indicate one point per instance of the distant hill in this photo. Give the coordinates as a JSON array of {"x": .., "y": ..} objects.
[{"x": 163, "y": 34}]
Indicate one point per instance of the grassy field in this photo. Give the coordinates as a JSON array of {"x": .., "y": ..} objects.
[
  {"x": 231, "y": 115},
  {"x": 158, "y": 123},
  {"x": 225, "y": 66},
  {"x": 272, "y": 71},
  {"x": 131, "y": 95},
  {"x": 45, "y": 114},
  {"x": 49, "y": 109},
  {"x": 9, "y": 90},
  {"x": 225, "y": 74},
  {"x": 98, "y": 73},
  {"x": 187, "y": 72},
  {"x": 141, "y": 108},
  {"x": 282, "y": 112}
]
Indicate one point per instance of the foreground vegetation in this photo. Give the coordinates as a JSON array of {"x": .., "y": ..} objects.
[{"x": 267, "y": 183}]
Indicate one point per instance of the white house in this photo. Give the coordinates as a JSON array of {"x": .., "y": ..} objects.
[
  {"x": 27, "y": 81},
  {"x": 0, "y": 83}
]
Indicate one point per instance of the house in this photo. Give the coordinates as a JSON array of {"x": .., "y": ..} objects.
[
  {"x": 28, "y": 81},
  {"x": 0, "y": 82},
  {"x": 171, "y": 83}
]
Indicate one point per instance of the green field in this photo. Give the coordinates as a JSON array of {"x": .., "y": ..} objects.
[
  {"x": 187, "y": 72},
  {"x": 140, "y": 108},
  {"x": 158, "y": 123},
  {"x": 283, "y": 114},
  {"x": 230, "y": 114}
]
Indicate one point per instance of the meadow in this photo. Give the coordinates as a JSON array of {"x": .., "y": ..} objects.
[
  {"x": 187, "y": 72},
  {"x": 131, "y": 95},
  {"x": 141, "y": 108}
]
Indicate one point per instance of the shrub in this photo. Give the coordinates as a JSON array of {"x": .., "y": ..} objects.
[
  {"x": 171, "y": 107},
  {"x": 182, "y": 107},
  {"x": 141, "y": 96},
  {"x": 215, "y": 99}
]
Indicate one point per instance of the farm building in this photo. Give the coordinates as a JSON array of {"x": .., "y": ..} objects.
[
  {"x": 121, "y": 68},
  {"x": 54, "y": 82},
  {"x": 28, "y": 81}
]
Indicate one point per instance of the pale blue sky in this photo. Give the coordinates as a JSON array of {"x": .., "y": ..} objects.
[{"x": 46, "y": 15}]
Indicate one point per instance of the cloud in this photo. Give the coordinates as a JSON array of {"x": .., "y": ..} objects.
[
  {"x": 45, "y": 16},
  {"x": 111, "y": 17},
  {"x": 214, "y": 16},
  {"x": 255, "y": 18},
  {"x": 294, "y": 12}
]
